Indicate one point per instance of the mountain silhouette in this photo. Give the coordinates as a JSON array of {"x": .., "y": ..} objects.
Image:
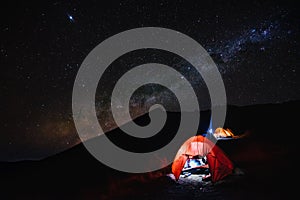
[{"x": 75, "y": 173}]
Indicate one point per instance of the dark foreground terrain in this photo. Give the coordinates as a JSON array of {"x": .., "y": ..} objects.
[{"x": 267, "y": 156}]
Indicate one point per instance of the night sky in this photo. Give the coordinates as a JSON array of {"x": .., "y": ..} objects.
[{"x": 255, "y": 46}]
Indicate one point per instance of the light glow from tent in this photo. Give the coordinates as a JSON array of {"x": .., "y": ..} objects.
[
  {"x": 194, "y": 163},
  {"x": 210, "y": 128}
]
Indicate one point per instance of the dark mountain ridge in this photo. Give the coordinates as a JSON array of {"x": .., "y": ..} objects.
[{"x": 271, "y": 128}]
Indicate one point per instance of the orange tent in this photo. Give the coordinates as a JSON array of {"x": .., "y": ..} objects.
[
  {"x": 219, "y": 164},
  {"x": 220, "y": 132}
]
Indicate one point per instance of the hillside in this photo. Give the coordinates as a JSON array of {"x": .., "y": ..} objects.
[{"x": 267, "y": 155}]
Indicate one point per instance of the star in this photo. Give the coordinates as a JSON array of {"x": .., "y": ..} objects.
[
  {"x": 70, "y": 18},
  {"x": 265, "y": 33}
]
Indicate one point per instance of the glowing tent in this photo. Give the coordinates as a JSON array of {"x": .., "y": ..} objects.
[
  {"x": 223, "y": 133},
  {"x": 219, "y": 164}
]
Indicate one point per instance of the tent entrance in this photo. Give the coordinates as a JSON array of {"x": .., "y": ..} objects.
[{"x": 197, "y": 167}]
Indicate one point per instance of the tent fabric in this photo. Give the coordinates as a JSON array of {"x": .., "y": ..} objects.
[
  {"x": 219, "y": 164},
  {"x": 220, "y": 132}
]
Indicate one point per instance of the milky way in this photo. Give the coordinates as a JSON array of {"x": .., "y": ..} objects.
[
  {"x": 263, "y": 35},
  {"x": 255, "y": 46}
]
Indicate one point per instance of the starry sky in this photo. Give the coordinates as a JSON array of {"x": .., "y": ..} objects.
[{"x": 255, "y": 46}]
